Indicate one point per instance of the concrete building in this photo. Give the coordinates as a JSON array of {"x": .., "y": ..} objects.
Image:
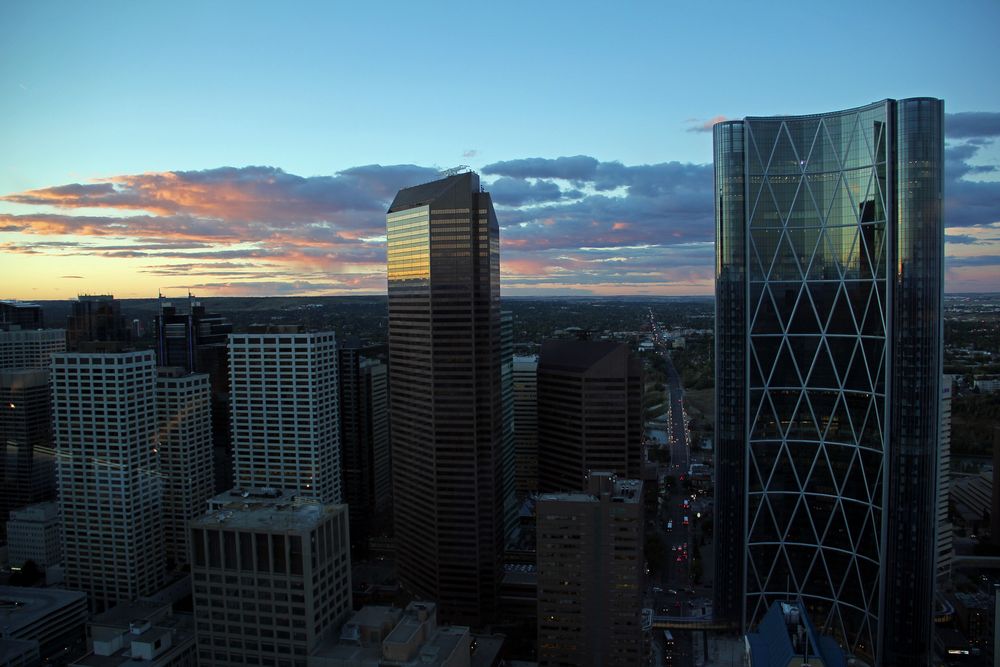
[
  {"x": 590, "y": 582},
  {"x": 285, "y": 414},
  {"x": 140, "y": 634},
  {"x": 364, "y": 437},
  {"x": 184, "y": 427},
  {"x": 27, "y": 461},
  {"x": 525, "y": 386},
  {"x": 35, "y": 533},
  {"x": 109, "y": 478},
  {"x": 271, "y": 577},
  {"x": 52, "y": 617},
  {"x": 589, "y": 412},
  {"x": 30, "y": 348},
  {"x": 446, "y": 408}
]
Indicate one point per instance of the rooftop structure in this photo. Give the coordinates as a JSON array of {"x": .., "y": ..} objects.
[
  {"x": 140, "y": 634},
  {"x": 53, "y": 617},
  {"x": 787, "y": 638}
]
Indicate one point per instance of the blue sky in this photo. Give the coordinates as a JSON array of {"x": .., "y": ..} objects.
[{"x": 115, "y": 90}]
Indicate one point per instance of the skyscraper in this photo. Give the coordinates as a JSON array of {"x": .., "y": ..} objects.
[
  {"x": 590, "y": 574},
  {"x": 97, "y": 319},
  {"x": 285, "y": 424},
  {"x": 525, "y": 381},
  {"x": 589, "y": 412},
  {"x": 184, "y": 423},
  {"x": 364, "y": 438},
  {"x": 20, "y": 315},
  {"x": 30, "y": 348},
  {"x": 445, "y": 403},
  {"x": 828, "y": 365},
  {"x": 945, "y": 549},
  {"x": 110, "y": 490}
]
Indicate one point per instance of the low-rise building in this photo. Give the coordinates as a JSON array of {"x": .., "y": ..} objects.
[
  {"x": 140, "y": 634},
  {"x": 35, "y": 533},
  {"x": 52, "y": 617}
]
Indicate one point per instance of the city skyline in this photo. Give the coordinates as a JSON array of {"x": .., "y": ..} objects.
[{"x": 147, "y": 179}]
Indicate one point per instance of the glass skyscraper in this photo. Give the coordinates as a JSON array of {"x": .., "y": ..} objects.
[
  {"x": 829, "y": 246},
  {"x": 445, "y": 401}
]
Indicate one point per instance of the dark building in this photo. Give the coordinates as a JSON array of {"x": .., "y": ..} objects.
[
  {"x": 364, "y": 441},
  {"x": 20, "y": 315},
  {"x": 446, "y": 412},
  {"x": 96, "y": 319},
  {"x": 508, "y": 457},
  {"x": 196, "y": 340},
  {"x": 27, "y": 467},
  {"x": 589, "y": 412},
  {"x": 828, "y": 367}
]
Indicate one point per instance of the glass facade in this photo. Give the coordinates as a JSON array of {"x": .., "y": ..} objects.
[{"x": 828, "y": 287}]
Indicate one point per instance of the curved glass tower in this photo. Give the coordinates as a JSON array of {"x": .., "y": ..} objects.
[{"x": 828, "y": 348}]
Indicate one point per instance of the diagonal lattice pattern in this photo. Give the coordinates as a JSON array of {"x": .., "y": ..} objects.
[{"x": 817, "y": 279}]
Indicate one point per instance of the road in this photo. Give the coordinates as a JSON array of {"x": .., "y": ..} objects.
[{"x": 675, "y": 594}]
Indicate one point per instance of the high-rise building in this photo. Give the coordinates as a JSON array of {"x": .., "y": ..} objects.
[
  {"x": 97, "y": 319},
  {"x": 508, "y": 455},
  {"x": 589, "y": 412},
  {"x": 283, "y": 399},
  {"x": 35, "y": 533},
  {"x": 364, "y": 438},
  {"x": 280, "y": 567},
  {"x": 109, "y": 479},
  {"x": 184, "y": 422},
  {"x": 828, "y": 367},
  {"x": 945, "y": 553},
  {"x": 590, "y": 588},
  {"x": 525, "y": 386},
  {"x": 30, "y": 348},
  {"x": 446, "y": 418},
  {"x": 20, "y": 315},
  {"x": 27, "y": 461}
]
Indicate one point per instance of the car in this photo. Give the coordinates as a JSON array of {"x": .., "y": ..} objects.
[
  {"x": 685, "y": 521},
  {"x": 670, "y": 525},
  {"x": 680, "y": 560},
  {"x": 657, "y": 589},
  {"x": 671, "y": 591}
]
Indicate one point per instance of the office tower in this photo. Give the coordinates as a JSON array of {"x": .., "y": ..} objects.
[
  {"x": 190, "y": 337},
  {"x": 34, "y": 533},
  {"x": 281, "y": 569},
  {"x": 446, "y": 420},
  {"x": 589, "y": 412},
  {"x": 364, "y": 438},
  {"x": 525, "y": 388},
  {"x": 590, "y": 562},
  {"x": 507, "y": 456},
  {"x": 20, "y": 315},
  {"x": 27, "y": 464},
  {"x": 96, "y": 318},
  {"x": 283, "y": 399},
  {"x": 944, "y": 527},
  {"x": 30, "y": 348},
  {"x": 184, "y": 426},
  {"x": 109, "y": 481},
  {"x": 828, "y": 369}
]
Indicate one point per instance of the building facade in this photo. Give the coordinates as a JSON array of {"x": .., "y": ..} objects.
[
  {"x": 525, "y": 386},
  {"x": 30, "y": 348},
  {"x": 283, "y": 399},
  {"x": 20, "y": 315},
  {"x": 446, "y": 418},
  {"x": 364, "y": 437},
  {"x": 945, "y": 548},
  {"x": 96, "y": 319},
  {"x": 35, "y": 533},
  {"x": 590, "y": 582},
  {"x": 108, "y": 472},
  {"x": 271, "y": 577},
  {"x": 828, "y": 365},
  {"x": 184, "y": 426},
  {"x": 589, "y": 412}
]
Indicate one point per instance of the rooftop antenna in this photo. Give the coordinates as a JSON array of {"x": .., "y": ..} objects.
[{"x": 455, "y": 171}]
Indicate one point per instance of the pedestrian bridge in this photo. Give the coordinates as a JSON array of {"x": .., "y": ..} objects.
[{"x": 700, "y": 622}]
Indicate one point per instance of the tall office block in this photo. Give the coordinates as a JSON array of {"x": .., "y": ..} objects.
[
  {"x": 446, "y": 416},
  {"x": 27, "y": 461},
  {"x": 20, "y": 315},
  {"x": 590, "y": 563},
  {"x": 828, "y": 351},
  {"x": 364, "y": 438},
  {"x": 945, "y": 551},
  {"x": 508, "y": 455},
  {"x": 30, "y": 348},
  {"x": 184, "y": 423},
  {"x": 283, "y": 399},
  {"x": 109, "y": 479},
  {"x": 525, "y": 388},
  {"x": 271, "y": 577},
  {"x": 589, "y": 412},
  {"x": 96, "y": 318}
]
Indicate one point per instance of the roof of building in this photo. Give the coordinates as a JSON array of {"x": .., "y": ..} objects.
[
  {"x": 282, "y": 512},
  {"x": 771, "y": 645},
  {"x": 23, "y": 607},
  {"x": 425, "y": 193}
]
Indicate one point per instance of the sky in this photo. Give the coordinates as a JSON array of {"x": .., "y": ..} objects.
[{"x": 251, "y": 148}]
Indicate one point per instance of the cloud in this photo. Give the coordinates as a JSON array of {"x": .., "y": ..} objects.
[
  {"x": 71, "y": 276},
  {"x": 705, "y": 125},
  {"x": 471, "y": 152},
  {"x": 972, "y": 124}
]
